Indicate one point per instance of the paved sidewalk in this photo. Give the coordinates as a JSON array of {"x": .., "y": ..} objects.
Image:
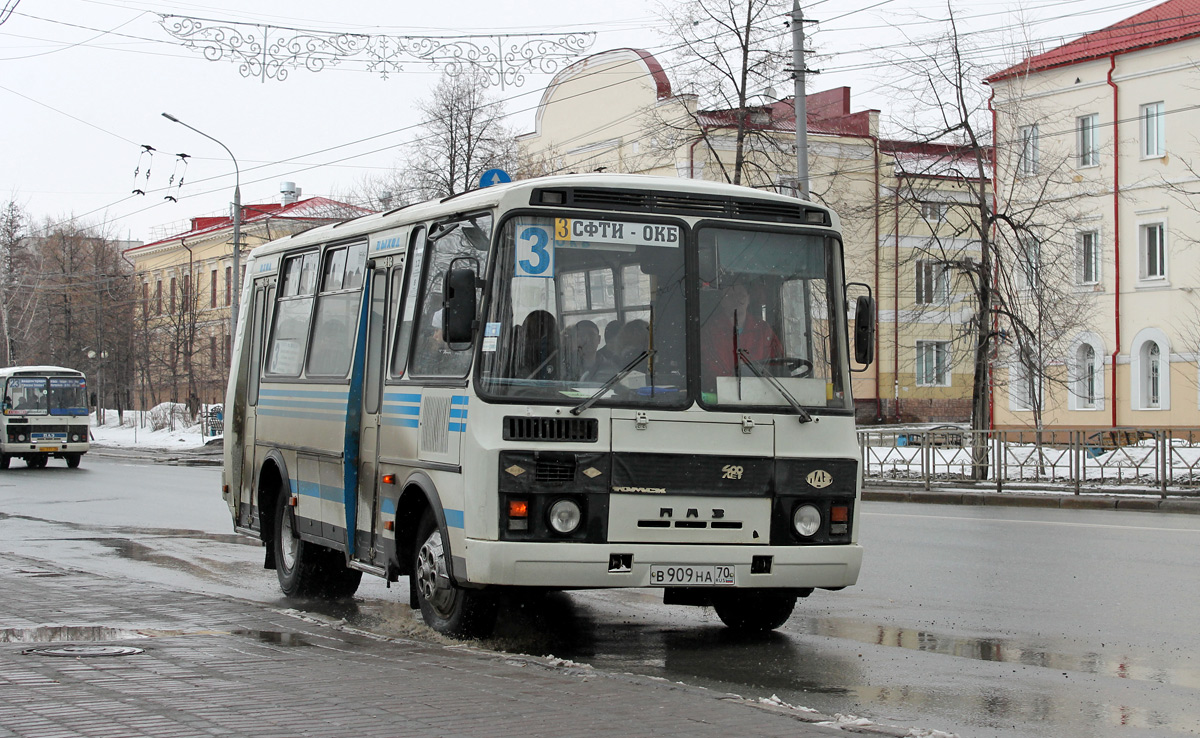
[{"x": 215, "y": 666}]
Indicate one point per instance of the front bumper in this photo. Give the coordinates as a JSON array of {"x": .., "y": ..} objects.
[{"x": 586, "y": 566}]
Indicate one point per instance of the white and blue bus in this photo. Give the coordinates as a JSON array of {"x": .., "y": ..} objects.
[
  {"x": 583, "y": 381},
  {"x": 44, "y": 415}
]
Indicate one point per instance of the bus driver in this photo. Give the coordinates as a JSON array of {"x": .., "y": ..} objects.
[{"x": 751, "y": 334}]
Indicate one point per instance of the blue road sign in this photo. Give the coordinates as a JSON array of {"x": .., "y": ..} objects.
[{"x": 494, "y": 177}]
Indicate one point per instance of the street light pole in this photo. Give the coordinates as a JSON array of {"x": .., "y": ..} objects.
[{"x": 235, "y": 278}]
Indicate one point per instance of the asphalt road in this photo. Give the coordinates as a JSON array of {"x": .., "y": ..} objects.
[{"x": 985, "y": 621}]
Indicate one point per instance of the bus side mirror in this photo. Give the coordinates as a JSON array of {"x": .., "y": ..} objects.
[
  {"x": 458, "y": 305},
  {"x": 864, "y": 330}
]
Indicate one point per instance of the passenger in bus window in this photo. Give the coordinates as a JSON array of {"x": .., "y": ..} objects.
[
  {"x": 735, "y": 324},
  {"x": 538, "y": 348},
  {"x": 631, "y": 341},
  {"x": 606, "y": 355},
  {"x": 580, "y": 345}
]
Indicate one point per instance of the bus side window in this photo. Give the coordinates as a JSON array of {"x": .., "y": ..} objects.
[
  {"x": 285, "y": 355},
  {"x": 405, "y": 300},
  {"x": 468, "y": 238},
  {"x": 333, "y": 335}
]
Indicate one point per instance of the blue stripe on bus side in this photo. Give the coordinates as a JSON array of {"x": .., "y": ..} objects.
[
  {"x": 340, "y": 417},
  {"x": 314, "y": 489},
  {"x": 401, "y": 397},
  {"x": 305, "y": 405},
  {"x": 388, "y": 506},
  {"x": 401, "y": 409},
  {"x": 402, "y": 422},
  {"x": 454, "y": 518},
  {"x": 459, "y": 400},
  {"x": 327, "y": 394}
]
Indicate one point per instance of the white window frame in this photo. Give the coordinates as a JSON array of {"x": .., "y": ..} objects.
[
  {"x": 1145, "y": 372},
  {"x": 1087, "y": 149},
  {"x": 932, "y": 282},
  {"x": 1088, "y": 261},
  {"x": 939, "y": 351},
  {"x": 1152, "y": 251},
  {"x": 1082, "y": 374},
  {"x": 934, "y": 211},
  {"x": 1027, "y": 162},
  {"x": 1153, "y": 130},
  {"x": 1029, "y": 266}
]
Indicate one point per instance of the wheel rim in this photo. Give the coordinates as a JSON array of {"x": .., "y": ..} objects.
[
  {"x": 432, "y": 580},
  {"x": 289, "y": 545}
]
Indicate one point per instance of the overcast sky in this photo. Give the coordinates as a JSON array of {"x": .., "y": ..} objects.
[{"x": 83, "y": 84}]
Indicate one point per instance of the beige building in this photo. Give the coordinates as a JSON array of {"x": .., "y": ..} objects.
[
  {"x": 1100, "y": 135},
  {"x": 900, "y": 204},
  {"x": 181, "y": 332}
]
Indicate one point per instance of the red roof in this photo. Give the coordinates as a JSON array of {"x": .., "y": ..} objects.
[
  {"x": 315, "y": 209},
  {"x": 828, "y": 112},
  {"x": 1174, "y": 20}
]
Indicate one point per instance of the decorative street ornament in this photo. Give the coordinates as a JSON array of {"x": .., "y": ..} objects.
[{"x": 271, "y": 52}]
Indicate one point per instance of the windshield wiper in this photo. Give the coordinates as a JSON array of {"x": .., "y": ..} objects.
[
  {"x": 805, "y": 416},
  {"x": 611, "y": 381}
]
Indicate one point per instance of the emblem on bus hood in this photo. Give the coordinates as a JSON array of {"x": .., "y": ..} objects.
[{"x": 819, "y": 479}]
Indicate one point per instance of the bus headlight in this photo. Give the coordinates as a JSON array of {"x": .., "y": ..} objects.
[
  {"x": 565, "y": 516},
  {"x": 806, "y": 520},
  {"x": 21, "y": 437},
  {"x": 75, "y": 438}
]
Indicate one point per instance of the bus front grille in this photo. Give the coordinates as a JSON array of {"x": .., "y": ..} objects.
[{"x": 585, "y": 430}]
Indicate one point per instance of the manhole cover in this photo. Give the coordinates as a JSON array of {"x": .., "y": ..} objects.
[{"x": 83, "y": 651}]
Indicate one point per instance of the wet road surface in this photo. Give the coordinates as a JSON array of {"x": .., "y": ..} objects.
[{"x": 982, "y": 621}]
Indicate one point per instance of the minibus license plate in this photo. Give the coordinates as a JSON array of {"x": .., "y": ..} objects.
[
  {"x": 690, "y": 576},
  {"x": 47, "y": 448}
]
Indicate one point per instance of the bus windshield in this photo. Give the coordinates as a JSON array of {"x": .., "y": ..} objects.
[
  {"x": 46, "y": 396},
  {"x": 583, "y": 307}
]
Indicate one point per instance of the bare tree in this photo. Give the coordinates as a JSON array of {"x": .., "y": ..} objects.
[
  {"x": 1014, "y": 259},
  {"x": 464, "y": 135},
  {"x": 731, "y": 54},
  {"x": 14, "y": 261}
]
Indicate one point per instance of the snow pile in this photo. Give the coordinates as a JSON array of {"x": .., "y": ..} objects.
[{"x": 166, "y": 426}]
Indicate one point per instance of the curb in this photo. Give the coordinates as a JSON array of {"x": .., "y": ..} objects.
[{"x": 1064, "y": 502}]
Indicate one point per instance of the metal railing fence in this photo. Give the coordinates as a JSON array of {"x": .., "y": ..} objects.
[{"x": 1165, "y": 461}]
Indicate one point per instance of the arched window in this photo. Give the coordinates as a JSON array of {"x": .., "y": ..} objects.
[
  {"x": 1152, "y": 366},
  {"x": 1086, "y": 391}
]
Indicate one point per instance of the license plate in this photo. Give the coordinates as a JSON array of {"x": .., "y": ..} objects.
[
  {"x": 691, "y": 576},
  {"x": 47, "y": 448}
]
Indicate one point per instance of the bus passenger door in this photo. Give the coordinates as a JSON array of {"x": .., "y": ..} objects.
[
  {"x": 258, "y": 316},
  {"x": 373, "y": 358}
]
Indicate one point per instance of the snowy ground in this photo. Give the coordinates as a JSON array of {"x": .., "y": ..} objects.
[{"x": 167, "y": 426}]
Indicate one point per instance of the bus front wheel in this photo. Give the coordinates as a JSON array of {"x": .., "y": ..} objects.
[
  {"x": 73, "y": 460},
  {"x": 37, "y": 461},
  {"x": 4, "y": 459},
  {"x": 754, "y": 611},
  {"x": 306, "y": 569},
  {"x": 446, "y": 607}
]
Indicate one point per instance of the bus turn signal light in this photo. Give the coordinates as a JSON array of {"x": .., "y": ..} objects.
[
  {"x": 389, "y": 479},
  {"x": 518, "y": 515},
  {"x": 839, "y": 514}
]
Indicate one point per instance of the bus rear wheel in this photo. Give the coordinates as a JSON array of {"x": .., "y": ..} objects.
[
  {"x": 754, "y": 611},
  {"x": 306, "y": 569},
  {"x": 446, "y": 607}
]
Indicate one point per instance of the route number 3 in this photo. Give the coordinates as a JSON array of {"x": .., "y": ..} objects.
[{"x": 535, "y": 252}]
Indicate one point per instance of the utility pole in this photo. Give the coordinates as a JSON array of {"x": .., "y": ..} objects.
[{"x": 801, "y": 104}]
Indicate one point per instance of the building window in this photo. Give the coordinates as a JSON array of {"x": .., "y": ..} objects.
[
  {"x": 933, "y": 363},
  {"x": 228, "y": 284},
  {"x": 158, "y": 298},
  {"x": 934, "y": 211},
  {"x": 1028, "y": 137},
  {"x": 1151, "y": 376},
  {"x": 1085, "y": 140},
  {"x": 1153, "y": 247},
  {"x": 145, "y": 299},
  {"x": 1153, "y": 131},
  {"x": 1087, "y": 384},
  {"x": 212, "y": 297},
  {"x": 171, "y": 304},
  {"x": 212, "y": 351},
  {"x": 1089, "y": 257},
  {"x": 1029, "y": 262},
  {"x": 185, "y": 305},
  {"x": 1024, "y": 386},
  {"x": 933, "y": 282}
]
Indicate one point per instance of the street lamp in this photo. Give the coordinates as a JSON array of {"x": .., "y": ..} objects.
[{"x": 235, "y": 280}]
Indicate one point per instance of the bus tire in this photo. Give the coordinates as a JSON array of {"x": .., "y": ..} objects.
[
  {"x": 754, "y": 610},
  {"x": 36, "y": 461},
  {"x": 73, "y": 460},
  {"x": 446, "y": 607},
  {"x": 4, "y": 459},
  {"x": 305, "y": 569}
]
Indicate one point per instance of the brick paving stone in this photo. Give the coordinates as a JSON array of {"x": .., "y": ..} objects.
[{"x": 216, "y": 666}]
